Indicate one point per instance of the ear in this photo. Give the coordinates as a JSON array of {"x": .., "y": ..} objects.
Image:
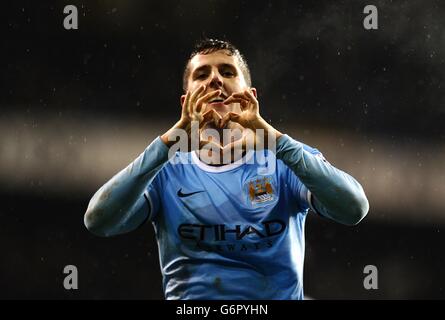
[
  {"x": 254, "y": 92},
  {"x": 182, "y": 99}
]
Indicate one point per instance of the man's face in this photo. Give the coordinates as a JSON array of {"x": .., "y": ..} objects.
[{"x": 217, "y": 70}]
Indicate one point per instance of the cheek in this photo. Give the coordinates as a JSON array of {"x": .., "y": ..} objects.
[
  {"x": 235, "y": 86},
  {"x": 192, "y": 85}
]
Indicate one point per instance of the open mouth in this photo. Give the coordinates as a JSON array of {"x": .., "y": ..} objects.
[{"x": 217, "y": 100}]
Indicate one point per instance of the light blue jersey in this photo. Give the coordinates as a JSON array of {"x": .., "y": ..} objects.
[{"x": 229, "y": 232}]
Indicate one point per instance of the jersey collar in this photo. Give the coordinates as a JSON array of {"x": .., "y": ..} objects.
[{"x": 224, "y": 168}]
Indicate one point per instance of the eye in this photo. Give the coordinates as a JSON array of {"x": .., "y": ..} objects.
[
  {"x": 227, "y": 71},
  {"x": 227, "y": 74},
  {"x": 201, "y": 76}
]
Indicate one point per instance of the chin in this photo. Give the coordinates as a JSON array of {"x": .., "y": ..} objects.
[{"x": 221, "y": 108}]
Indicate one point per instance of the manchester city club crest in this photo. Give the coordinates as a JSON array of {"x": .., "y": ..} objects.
[{"x": 260, "y": 190}]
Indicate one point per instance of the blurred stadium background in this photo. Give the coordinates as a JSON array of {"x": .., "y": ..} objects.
[{"x": 77, "y": 106}]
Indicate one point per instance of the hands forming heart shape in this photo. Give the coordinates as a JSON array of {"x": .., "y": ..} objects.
[
  {"x": 211, "y": 150},
  {"x": 196, "y": 114}
]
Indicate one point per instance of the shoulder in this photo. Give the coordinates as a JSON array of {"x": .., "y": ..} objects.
[
  {"x": 313, "y": 151},
  {"x": 310, "y": 149}
]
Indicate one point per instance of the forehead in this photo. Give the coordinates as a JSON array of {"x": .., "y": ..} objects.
[{"x": 214, "y": 58}]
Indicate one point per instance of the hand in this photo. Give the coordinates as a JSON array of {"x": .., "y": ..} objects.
[
  {"x": 249, "y": 118},
  {"x": 193, "y": 112}
]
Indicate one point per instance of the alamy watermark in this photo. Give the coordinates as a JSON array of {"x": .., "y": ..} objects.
[
  {"x": 71, "y": 21},
  {"x": 240, "y": 146},
  {"x": 371, "y": 281},
  {"x": 71, "y": 281},
  {"x": 371, "y": 20}
]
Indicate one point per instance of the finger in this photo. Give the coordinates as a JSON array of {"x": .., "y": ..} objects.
[
  {"x": 209, "y": 116},
  {"x": 232, "y": 98},
  {"x": 197, "y": 93},
  {"x": 217, "y": 118},
  {"x": 241, "y": 95},
  {"x": 243, "y": 102},
  {"x": 252, "y": 98},
  {"x": 247, "y": 94},
  {"x": 252, "y": 101},
  {"x": 231, "y": 116},
  {"x": 185, "y": 104},
  {"x": 205, "y": 98}
]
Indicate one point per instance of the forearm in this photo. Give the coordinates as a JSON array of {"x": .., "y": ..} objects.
[
  {"x": 116, "y": 198},
  {"x": 338, "y": 195}
]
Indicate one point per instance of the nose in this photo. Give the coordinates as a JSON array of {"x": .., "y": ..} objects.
[{"x": 215, "y": 80}]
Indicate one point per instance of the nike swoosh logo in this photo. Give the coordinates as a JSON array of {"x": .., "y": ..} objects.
[{"x": 182, "y": 195}]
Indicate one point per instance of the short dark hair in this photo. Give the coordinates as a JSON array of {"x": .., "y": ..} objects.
[{"x": 206, "y": 46}]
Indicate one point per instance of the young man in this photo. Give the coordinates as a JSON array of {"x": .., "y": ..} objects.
[{"x": 226, "y": 231}]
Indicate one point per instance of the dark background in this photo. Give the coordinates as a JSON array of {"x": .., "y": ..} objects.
[{"x": 78, "y": 105}]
